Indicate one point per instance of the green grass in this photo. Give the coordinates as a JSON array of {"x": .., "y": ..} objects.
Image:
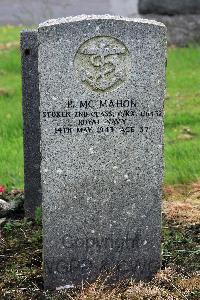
[
  {"x": 11, "y": 151},
  {"x": 182, "y": 116},
  {"x": 182, "y": 113},
  {"x": 9, "y": 33}
]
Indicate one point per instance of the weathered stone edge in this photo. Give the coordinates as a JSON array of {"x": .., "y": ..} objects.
[{"x": 59, "y": 21}]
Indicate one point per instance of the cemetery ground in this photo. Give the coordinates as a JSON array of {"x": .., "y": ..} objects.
[{"x": 21, "y": 240}]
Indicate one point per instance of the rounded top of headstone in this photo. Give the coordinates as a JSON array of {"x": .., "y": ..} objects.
[{"x": 72, "y": 19}]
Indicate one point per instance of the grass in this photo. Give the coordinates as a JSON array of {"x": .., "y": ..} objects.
[
  {"x": 11, "y": 152},
  {"x": 21, "y": 258},
  {"x": 182, "y": 113},
  {"x": 182, "y": 116}
]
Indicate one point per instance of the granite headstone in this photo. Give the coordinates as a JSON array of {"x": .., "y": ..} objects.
[
  {"x": 31, "y": 122},
  {"x": 169, "y": 7},
  {"x": 102, "y": 85}
]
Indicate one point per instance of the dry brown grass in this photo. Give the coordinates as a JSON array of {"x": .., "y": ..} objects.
[
  {"x": 190, "y": 283},
  {"x": 182, "y": 205},
  {"x": 4, "y": 92},
  {"x": 181, "y": 213},
  {"x": 9, "y": 45},
  {"x": 166, "y": 285}
]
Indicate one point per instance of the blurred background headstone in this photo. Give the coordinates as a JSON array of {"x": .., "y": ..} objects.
[
  {"x": 169, "y": 7},
  {"x": 181, "y": 17},
  {"x": 33, "y": 12}
]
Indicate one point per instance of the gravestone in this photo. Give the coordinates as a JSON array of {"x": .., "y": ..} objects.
[
  {"x": 102, "y": 83},
  {"x": 169, "y": 7},
  {"x": 31, "y": 122}
]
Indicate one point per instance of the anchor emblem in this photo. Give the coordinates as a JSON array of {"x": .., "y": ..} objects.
[{"x": 101, "y": 63}]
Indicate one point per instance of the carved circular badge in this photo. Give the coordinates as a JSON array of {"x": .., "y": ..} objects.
[{"x": 102, "y": 63}]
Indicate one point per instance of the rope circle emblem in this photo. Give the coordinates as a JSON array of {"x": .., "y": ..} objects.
[{"x": 102, "y": 63}]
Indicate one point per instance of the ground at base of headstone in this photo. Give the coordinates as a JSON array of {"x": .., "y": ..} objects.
[{"x": 21, "y": 257}]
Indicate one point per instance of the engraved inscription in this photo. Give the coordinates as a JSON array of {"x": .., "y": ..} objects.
[
  {"x": 103, "y": 117},
  {"x": 102, "y": 63}
]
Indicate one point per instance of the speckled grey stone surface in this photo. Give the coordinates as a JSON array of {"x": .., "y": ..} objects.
[
  {"x": 31, "y": 122},
  {"x": 169, "y": 7},
  {"x": 102, "y": 83}
]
